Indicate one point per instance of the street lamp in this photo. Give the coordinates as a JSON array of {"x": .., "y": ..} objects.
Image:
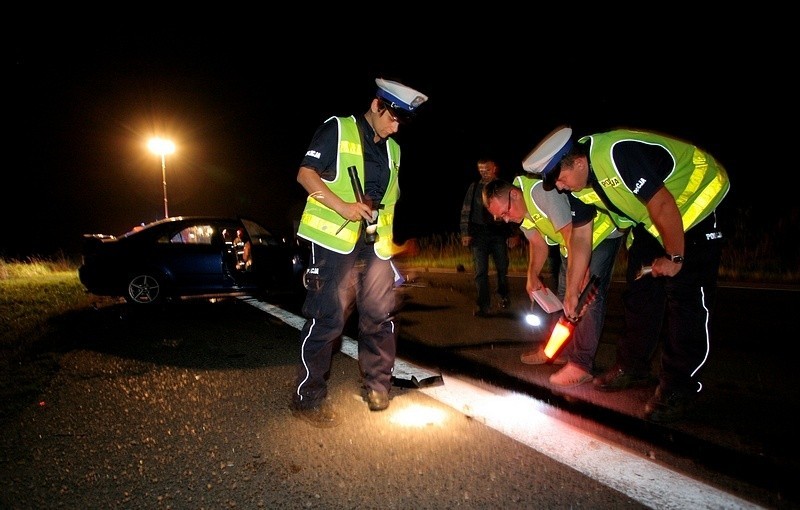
[{"x": 162, "y": 147}]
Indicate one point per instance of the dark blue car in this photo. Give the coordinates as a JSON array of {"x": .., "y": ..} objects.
[{"x": 185, "y": 257}]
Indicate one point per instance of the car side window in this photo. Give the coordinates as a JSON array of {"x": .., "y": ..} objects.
[{"x": 196, "y": 234}]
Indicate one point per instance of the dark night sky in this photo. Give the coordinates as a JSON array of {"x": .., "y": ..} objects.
[{"x": 241, "y": 110}]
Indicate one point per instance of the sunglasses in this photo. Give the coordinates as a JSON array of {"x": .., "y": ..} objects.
[
  {"x": 392, "y": 115},
  {"x": 395, "y": 115}
]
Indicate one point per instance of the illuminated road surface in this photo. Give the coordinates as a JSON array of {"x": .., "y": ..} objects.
[{"x": 527, "y": 421}]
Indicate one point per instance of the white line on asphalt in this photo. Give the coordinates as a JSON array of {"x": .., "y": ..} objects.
[{"x": 519, "y": 417}]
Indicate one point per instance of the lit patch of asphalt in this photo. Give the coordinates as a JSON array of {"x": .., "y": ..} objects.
[{"x": 513, "y": 414}]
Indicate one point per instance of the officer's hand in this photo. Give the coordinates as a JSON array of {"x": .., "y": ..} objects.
[
  {"x": 532, "y": 285},
  {"x": 663, "y": 266},
  {"x": 355, "y": 211},
  {"x": 570, "y": 305}
]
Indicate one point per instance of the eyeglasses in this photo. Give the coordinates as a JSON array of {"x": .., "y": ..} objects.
[
  {"x": 507, "y": 212},
  {"x": 508, "y": 209}
]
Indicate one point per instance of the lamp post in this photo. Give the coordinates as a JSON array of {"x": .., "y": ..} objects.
[{"x": 162, "y": 147}]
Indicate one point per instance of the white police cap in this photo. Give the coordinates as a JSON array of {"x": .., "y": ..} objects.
[
  {"x": 548, "y": 154},
  {"x": 400, "y": 98}
]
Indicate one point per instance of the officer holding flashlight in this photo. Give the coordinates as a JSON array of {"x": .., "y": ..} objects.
[
  {"x": 668, "y": 191},
  {"x": 351, "y": 267}
]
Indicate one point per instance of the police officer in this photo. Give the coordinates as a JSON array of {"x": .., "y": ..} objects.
[
  {"x": 546, "y": 219},
  {"x": 348, "y": 265},
  {"x": 668, "y": 191}
]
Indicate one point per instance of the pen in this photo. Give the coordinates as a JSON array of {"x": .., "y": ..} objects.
[{"x": 340, "y": 228}]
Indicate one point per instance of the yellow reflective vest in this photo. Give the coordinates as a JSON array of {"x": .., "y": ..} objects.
[
  {"x": 319, "y": 223},
  {"x": 697, "y": 181},
  {"x": 602, "y": 226}
]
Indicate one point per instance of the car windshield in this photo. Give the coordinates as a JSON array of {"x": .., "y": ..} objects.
[{"x": 258, "y": 234}]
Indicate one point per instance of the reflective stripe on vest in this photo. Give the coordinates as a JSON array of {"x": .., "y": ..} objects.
[
  {"x": 538, "y": 219},
  {"x": 602, "y": 225},
  {"x": 697, "y": 181},
  {"x": 320, "y": 223},
  {"x": 328, "y": 228}
]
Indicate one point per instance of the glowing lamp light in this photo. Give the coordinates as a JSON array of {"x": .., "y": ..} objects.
[{"x": 162, "y": 147}]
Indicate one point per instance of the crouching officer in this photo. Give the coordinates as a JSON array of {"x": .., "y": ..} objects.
[
  {"x": 668, "y": 190},
  {"x": 348, "y": 265}
]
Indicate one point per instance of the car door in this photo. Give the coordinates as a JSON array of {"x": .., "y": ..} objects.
[
  {"x": 272, "y": 262},
  {"x": 238, "y": 268},
  {"x": 196, "y": 258}
]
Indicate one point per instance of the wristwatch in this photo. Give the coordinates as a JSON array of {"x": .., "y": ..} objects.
[{"x": 678, "y": 259}]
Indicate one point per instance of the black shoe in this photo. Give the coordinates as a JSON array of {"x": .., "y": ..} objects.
[
  {"x": 377, "y": 400},
  {"x": 321, "y": 416},
  {"x": 479, "y": 312},
  {"x": 667, "y": 406},
  {"x": 505, "y": 302},
  {"x": 618, "y": 379}
]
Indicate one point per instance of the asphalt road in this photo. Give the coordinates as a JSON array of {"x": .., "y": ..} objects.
[
  {"x": 187, "y": 407},
  {"x": 742, "y": 431}
]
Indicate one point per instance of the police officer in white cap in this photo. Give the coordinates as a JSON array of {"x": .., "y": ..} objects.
[
  {"x": 350, "y": 231},
  {"x": 667, "y": 191}
]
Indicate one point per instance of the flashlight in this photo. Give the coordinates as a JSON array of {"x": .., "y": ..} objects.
[
  {"x": 370, "y": 227},
  {"x": 561, "y": 332},
  {"x": 563, "y": 328},
  {"x": 547, "y": 301},
  {"x": 531, "y": 318}
]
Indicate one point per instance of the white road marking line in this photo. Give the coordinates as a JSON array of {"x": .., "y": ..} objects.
[{"x": 519, "y": 417}]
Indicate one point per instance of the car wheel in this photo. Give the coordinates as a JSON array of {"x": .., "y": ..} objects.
[{"x": 143, "y": 289}]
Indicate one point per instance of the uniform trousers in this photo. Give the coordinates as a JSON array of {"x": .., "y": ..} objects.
[
  {"x": 684, "y": 301},
  {"x": 337, "y": 284}
]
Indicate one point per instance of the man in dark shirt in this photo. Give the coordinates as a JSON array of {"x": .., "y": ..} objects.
[{"x": 486, "y": 238}]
